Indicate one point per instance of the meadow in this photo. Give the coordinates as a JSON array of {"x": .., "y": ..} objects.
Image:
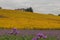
[
  {"x": 28, "y": 20},
  {"x": 28, "y": 24},
  {"x": 29, "y": 34}
]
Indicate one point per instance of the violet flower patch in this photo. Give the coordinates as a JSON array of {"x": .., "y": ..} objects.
[
  {"x": 14, "y": 31},
  {"x": 41, "y": 35},
  {"x": 35, "y": 38}
]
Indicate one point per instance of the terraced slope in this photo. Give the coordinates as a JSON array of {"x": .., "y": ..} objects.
[{"x": 21, "y": 19}]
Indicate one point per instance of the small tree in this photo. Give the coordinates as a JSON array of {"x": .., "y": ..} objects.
[
  {"x": 0, "y": 7},
  {"x": 29, "y": 9}
]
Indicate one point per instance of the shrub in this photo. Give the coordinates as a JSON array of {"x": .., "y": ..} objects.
[
  {"x": 0, "y": 7},
  {"x": 29, "y": 9},
  {"x": 58, "y": 14}
]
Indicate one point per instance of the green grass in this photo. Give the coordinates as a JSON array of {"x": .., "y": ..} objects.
[{"x": 14, "y": 37}]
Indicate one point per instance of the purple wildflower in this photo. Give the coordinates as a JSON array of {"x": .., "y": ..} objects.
[
  {"x": 14, "y": 31},
  {"x": 44, "y": 37},
  {"x": 41, "y": 35},
  {"x": 35, "y": 38}
]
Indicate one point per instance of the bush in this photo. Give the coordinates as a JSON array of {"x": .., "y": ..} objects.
[
  {"x": 58, "y": 14},
  {"x": 0, "y": 7},
  {"x": 29, "y": 9}
]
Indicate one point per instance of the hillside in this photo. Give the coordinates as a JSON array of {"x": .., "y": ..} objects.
[{"x": 21, "y": 19}]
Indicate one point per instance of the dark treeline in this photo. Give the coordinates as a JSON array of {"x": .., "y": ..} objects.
[
  {"x": 24, "y": 9},
  {"x": 27, "y": 9}
]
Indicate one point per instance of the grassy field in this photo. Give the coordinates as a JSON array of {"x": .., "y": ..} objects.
[
  {"x": 14, "y": 37},
  {"x": 27, "y": 20}
]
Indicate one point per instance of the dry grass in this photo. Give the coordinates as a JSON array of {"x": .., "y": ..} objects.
[{"x": 21, "y": 20}]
